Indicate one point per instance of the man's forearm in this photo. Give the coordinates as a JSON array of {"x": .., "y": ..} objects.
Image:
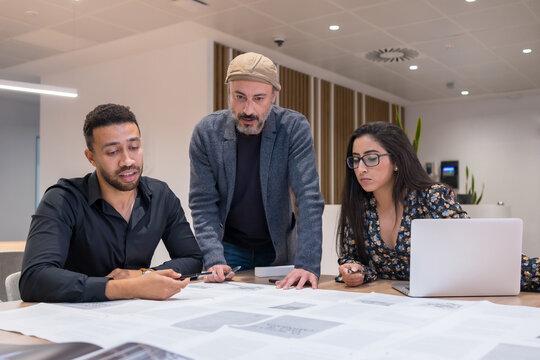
[
  {"x": 184, "y": 265},
  {"x": 119, "y": 289},
  {"x": 51, "y": 284}
]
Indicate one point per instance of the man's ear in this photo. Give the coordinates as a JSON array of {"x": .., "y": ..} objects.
[
  {"x": 90, "y": 156},
  {"x": 274, "y": 96}
]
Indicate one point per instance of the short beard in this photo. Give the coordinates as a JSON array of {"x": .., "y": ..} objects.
[
  {"x": 251, "y": 130},
  {"x": 121, "y": 186}
]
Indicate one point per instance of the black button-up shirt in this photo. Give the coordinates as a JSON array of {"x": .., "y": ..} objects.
[{"x": 76, "y": 238}]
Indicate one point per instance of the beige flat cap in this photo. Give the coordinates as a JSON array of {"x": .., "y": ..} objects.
[{"x": 254, "y": 67}]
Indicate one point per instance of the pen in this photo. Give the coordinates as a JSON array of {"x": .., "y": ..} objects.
[
  {"x": 198, "y": 275},
  {"x": 233, "y": 270},
  {"x": 195, "y": 276}
]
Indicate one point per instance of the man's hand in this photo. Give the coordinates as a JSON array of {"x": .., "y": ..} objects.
[
  {"x": 157, "y": 285},
  {"x": 298, "y": 277},
  {"x": 352, "y": 274},
  {"x": 118, "y": 274},
  {"x": 219, "y": 273}
]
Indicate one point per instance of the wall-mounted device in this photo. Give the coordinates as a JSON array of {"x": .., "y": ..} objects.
[
  {"x": 450, "y": 173},
  {"x": 429, "y": 168}
]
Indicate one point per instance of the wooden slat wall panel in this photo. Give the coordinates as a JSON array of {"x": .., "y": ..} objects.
[
  {"x": 295, "y": 91},
  {"x": 376, "y": 110},
  {"x": 296, "y": 94},
  {"x": 360, "y": 108},
  {"x": 326, "y": 141},
  {"x": 236, "y": 52},
  {"x": 343, "y": 128},
  {"x": 221, "y": 62}
]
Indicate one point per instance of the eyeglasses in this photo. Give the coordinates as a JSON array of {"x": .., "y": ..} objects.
[{"x": 369, "y": 159}]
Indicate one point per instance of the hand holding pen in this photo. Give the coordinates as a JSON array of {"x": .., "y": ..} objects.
[
  {"x": 352, "y": 274},
  {"x": 220, "y": 273},
  {"x": 198, "y": 276}
]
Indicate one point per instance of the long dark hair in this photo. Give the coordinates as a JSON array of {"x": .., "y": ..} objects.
[{"x": 409, "y": 176}]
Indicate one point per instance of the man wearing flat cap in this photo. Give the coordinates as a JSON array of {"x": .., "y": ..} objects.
[{"x": 244, "y": 163}]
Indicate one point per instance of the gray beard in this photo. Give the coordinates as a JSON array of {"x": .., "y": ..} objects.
[{"x": 251, "y": 130}]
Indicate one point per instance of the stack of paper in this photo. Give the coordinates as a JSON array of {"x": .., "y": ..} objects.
[{"x": 265, "y": 271}]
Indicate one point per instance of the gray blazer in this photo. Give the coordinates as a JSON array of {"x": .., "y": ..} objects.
[{"x": 287, "y": 162}]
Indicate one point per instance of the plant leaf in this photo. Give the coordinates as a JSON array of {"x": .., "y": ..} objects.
[
  {"x": 481, "y": 195},
  {"x": 398, "y": 120},
  {"x": 416, "y": 141},
  {"x": 466, "y": 179}
]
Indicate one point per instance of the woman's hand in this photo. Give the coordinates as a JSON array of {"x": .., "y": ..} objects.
[{"x": 352, "y": 274}]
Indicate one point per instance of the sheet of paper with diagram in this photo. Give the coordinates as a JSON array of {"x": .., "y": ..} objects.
[{"x": 248, "y": 321}]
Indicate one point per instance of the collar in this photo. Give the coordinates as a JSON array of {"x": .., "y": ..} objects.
[{"x": 94, "y": 192}]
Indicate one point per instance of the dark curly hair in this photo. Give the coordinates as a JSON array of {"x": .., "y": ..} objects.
[
  {"x": 105, "y": 115},
  {"x": 410, "y": 176}
]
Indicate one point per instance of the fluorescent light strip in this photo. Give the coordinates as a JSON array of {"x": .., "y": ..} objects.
[{"x": 37, "y": 88}]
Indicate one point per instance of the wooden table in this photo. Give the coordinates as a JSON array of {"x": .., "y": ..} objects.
[
  {"x": 326, "y": 282},
  {"x": 12, "y": 245},
  {"x": 385, "y": 287}
]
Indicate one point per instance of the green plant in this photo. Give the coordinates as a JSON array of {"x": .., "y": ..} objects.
[
  {"x": 417, "y": 133},
  {"x": 470, "y": 190}
]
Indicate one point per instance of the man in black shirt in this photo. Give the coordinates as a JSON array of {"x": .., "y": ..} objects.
[{"x": 92, "y": 238}]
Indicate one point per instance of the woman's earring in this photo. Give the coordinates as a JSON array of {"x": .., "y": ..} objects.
[{"x": 395, "y": 169}]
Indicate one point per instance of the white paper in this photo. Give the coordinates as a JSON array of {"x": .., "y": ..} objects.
[{"x": 250, "y": 321}]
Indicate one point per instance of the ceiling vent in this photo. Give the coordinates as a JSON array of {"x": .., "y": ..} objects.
[{"x": 391, "y": 55}]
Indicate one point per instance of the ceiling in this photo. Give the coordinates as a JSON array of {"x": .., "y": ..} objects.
[{"x": 474, "y": 46}]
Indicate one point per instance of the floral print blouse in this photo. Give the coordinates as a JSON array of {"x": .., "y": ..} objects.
[{"x": 433, "y": 203}]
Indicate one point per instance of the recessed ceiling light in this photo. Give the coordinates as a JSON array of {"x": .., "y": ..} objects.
[
  {"x": 464, "y": 92},
  {"x": 31, "y": 12},
  {"x": 334, "y": 27},
  {"x": 470, "y": 1},
  {"x": 413, "y": 67},
  {"x": 527, "y": 51}
]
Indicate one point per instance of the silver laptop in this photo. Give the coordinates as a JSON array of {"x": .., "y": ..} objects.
[{"x": 464, "y": 257}]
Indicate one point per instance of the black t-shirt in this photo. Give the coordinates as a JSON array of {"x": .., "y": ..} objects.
[{"x": 246, "y": 224}]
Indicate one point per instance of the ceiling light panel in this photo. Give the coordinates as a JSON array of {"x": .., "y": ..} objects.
[{"x": 19, "y": 86}]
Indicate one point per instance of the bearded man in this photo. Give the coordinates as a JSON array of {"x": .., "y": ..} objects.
[
  {"x": 245, "y": 164},
  {"x": 92, "y": 238}
]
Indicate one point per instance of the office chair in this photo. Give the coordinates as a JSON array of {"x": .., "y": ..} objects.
[
  {"x": 10, "y": 262},
  {"x": 12, "y": 286}
]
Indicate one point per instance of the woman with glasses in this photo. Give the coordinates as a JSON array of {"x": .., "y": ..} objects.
[{"x": 386, "y": 188}]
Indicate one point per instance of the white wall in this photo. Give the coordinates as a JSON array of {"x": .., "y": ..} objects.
[
  {"x": 499, "y": 139},
  {"x": 19, "y": 127},
  {"x": 168, "y": 86},
  {"x": 167, "y": 89}
]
